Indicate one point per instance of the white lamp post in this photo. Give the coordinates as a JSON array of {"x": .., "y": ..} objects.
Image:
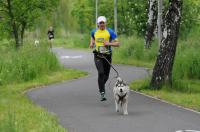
[
  {"x": 96, "y": 12},
  {"x": 115, "y": 15},
  {"x": 160, "y": 6}
]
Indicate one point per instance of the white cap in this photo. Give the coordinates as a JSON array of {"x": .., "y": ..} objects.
[{"x": 101, "y": 19}]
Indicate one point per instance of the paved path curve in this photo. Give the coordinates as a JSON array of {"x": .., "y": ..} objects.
[{"x": 77, "y": 105}]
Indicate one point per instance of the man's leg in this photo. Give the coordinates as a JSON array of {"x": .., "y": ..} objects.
[
  {"x": 100, "y": 69},
  {"x": 107, "y": 68}
]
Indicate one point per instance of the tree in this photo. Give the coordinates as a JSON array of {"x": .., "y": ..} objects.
[
  {"x": 132, "y": 16},
  {"x": 19, "y": 15},
  {"x": 151, "y": 23},
  {"x": 162, "y": 72}
]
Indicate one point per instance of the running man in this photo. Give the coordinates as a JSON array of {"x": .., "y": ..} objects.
[{"x": 102, "y": 39}]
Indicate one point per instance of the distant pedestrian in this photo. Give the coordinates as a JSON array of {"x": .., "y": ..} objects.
[
  {"x": 50, "y": 34},
  {"x": 102, "y": 39}
]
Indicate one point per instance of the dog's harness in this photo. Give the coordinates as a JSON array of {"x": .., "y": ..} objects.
[{"x": 121, "y": 97}]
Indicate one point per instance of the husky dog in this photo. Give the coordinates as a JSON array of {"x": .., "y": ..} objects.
[{"x": 121, "y": 91}]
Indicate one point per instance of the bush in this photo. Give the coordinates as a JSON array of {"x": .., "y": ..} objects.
[{"x": 187, "y": 61}]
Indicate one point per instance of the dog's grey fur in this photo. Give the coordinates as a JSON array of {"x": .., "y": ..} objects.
[{"x": 121, "y": 92}]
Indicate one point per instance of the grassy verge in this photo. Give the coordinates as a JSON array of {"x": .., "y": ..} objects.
[
  {"x": 21, "y": 70},
  {"x": 188, "y": 98},
  {"x": 19, "y": 114}
]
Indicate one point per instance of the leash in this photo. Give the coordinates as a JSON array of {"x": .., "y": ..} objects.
[{"x": 100, "y": 55}]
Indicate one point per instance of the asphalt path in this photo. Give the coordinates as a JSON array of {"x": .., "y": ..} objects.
[{"x": 77, "y": 103}]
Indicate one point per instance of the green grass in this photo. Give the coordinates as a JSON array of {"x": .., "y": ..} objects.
[
  {"x": 19, "y": 114},
  {"x": 26, "y": 64},
  {"x": 132, "y": 52}
]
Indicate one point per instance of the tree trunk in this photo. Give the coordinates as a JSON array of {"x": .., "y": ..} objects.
[
  {"x": 22, "y": 32},
  {"x": 162, "y": 72},
  {"x": 13, "y": 24},
  {"x": 16, "y": 35},
  {"x": 152, "y": 22}
]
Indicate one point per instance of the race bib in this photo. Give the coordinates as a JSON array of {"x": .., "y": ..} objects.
[{"x": 103, "y": 49}]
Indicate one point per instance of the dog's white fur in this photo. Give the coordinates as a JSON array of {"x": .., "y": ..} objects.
[
  {"x": 121, "y": 92},
  {"x": 36, "y": 43}
]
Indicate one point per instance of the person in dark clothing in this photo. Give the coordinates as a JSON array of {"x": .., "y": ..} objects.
[
  {"x": 103, "y": 39},
  {"x": 50, "y": 34}
]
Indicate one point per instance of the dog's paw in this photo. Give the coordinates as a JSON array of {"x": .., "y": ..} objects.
[
  {"x": 117, "y": 109},
  {"x": 125, "y": 113}
]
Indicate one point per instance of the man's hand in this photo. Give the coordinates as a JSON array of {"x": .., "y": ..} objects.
[
  {"x": 106, "y": 43},
  {"x": 91, "y": 45},
  {"x": 113, "y": 43}
]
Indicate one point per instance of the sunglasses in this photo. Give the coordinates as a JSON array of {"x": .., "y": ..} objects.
[{"x": 102, "y": 23}]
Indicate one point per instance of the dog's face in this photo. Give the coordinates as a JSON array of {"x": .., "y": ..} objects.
[{"x": 120, "y": 87}]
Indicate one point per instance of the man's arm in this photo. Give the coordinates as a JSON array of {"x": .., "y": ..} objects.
[
  {"x": 114, "y": 43},
  {"x": 92, "y": 42}
]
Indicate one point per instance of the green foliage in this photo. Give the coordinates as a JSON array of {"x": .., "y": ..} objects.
[
  {"x": 62, "y": 19},
  {"x": 129, "y": 22},
  {"x": 26, "y": 64},
  {"x": 190, "y": 17},
  {"x": 19, "y": 15},
  {"x": 186, "y": 70},
  {"x": 132, "y": 51},
  {"x": 187, "y": 60},
  {"x": 73, "y": 40},
  {"x": 132, "y": 16},
  {"x": 187, "y": 64},
  {"x": 84, "y": 12}
]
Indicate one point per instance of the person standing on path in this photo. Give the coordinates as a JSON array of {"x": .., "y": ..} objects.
[
  {"x": 102, "y": 39},
  {"x": 50, "y": 34}
]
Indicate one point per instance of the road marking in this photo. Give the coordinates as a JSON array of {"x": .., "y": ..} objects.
[
  {"x": 187, "y": 131},
  {"x": 72, "y": 57}
]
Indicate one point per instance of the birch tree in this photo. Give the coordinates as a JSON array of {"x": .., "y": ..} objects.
[
  {"x": 151, "y": 23},
  {"x": 162, "y": 72}
]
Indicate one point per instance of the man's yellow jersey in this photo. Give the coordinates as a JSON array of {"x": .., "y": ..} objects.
[{"x": 103, "y": 35}]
